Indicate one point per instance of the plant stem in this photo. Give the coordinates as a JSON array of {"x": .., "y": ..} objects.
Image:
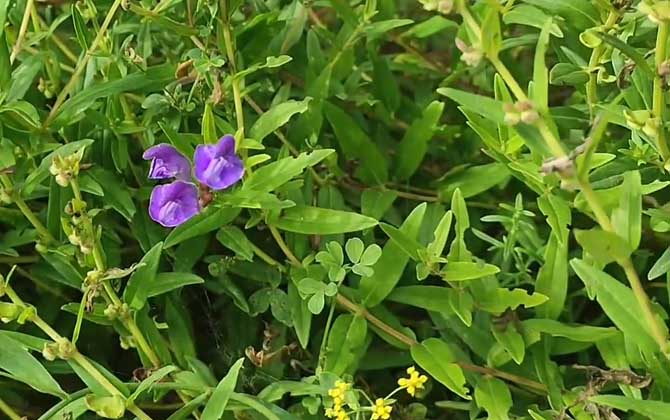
[
  {"x": 235, "y": 81},
  {"x": 22, "y": 30},
  {"x": 658, "y": 104},
  {"x": 409, "y": 341},
  {"x": 27, "y": 213},
  {"x": 596, "y": 54},
  {"x": 81, "y": 65},
  {"x": 128, "y": 322},
  {"x": 282, "y": 245},
  {"x": 76, "y": 356},
  {"x": 9, "y": 411}
]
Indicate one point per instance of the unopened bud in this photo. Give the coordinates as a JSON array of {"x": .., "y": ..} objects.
[
  {"x": 530, "y": 116},
  {"x": 50, "y": 351},
  {"x": 41, "y": 248}
]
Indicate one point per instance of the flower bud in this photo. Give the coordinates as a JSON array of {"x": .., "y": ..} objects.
[
  {"x": 40, "y": 247},
  {"x": 50, "y": 351},
  {"x": 66, "y": 349}
]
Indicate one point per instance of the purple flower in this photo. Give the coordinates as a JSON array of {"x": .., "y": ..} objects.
[
  {"x": 167, "y": 162},
  {"x": 216, "y": 165},
  {"x": 173, "y": 204}
]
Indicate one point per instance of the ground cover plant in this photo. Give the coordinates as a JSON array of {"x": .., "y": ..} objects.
[{"x": 347, "y": 209}]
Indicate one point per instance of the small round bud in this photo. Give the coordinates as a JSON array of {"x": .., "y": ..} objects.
[
  {"x": 530, "y": 117},
  {"x": 40, "y": 247},
  {"x": 50, "y": 351}
]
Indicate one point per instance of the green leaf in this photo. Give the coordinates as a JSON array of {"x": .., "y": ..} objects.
[
  {"x": 147, "y": 383},
  {"x": 464, "y": 271},
  {"x": 430, "y": 27},
  {"x": 488, "y": 108},
  {"x": 558, "y": 214},
  {"x": 277, "y": 117},
  {"x": 4, "y": 10},
  {"x": 661, "y": 266},
  {"x": 116, "y": 194},
  {"x": 619, "y": 304},
  {"x": 385, "y": 85},
  {"x": 604, "y": 246},
  {"x": 627, "y": 218},
  {"x": 188, "y": 408},
  {"x": 354, "y": 248},
  {"x": 511, "y": 341},
  {"x": 459, "y": 251},
  {"x": 629, "y": 51},
  {"x": 270, "y": 177},
  {"x": 431, "y": 298},
  {"x": 494, "y": 396},
  {"x": 540, "y": 94},
  {"x": 575, "y": 12},
  {"x": 234, "y": 239},
  {"x": 474, "y": 180},
  {"x": 80, "y": 30},
  {"x": 525, "y": 14},
  {"x": 356, "y": 144},
  {"x": 164, "y": 282},
  {"x": 491, "y": 37},
  {"x": 142, "y": 280},
  {"x": 219, "y": 400},
  {"x": 409, "y": 245},
  {"x": 656, "y": 410},
  {"x": 208, "y": 125},
  {"x": 302, "y": 316},
  {"x": 108, "y": 407},
  {"x": 270, "y": 63},
  {"x": 318, "y": 221},
  {"x": 377, "y": 29},
  {"x": 580, "y": 333},
  {"x": 16, "y": 360},
  {"x": 435, "y": 357},
  {"x": 72, "y": 110},
  {"x": 502, "y": 299},
  {"x": 5, "y": 66},
  {"x": 391, "y": 265},
  {"x": 211, "y": 219},
  {"x": 568, "y": 74},
  {"x": 552, "y": 279},
  {"x": 346, "y": 336},
  {"x": 414, "y": 144},
  {"x": 436, "y": 247}
]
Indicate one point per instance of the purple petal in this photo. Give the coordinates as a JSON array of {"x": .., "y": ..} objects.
[
  {"x": 167, "y": 162},
  {"x": 216, "y": 165},
  {"x": 173, "y": 204}
]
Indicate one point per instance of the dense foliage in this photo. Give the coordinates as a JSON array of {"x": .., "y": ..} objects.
[{"x": 349, "y": 209}]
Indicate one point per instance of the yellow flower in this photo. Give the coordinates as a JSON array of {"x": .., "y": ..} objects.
[
  {"x": 414, "y": 382},
  {"x": 381, "y": 410},
  {"x": 339, "y": 390},
  {"x": 337, "y": 413},
  {"x": 331, "y": 413}
]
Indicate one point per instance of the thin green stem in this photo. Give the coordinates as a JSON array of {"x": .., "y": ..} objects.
[
  {"x": 81, "y": 65},
  {"x": 658, "y": 103},
  {"x": 509, "y": 79},
  {"x": 268, "y": 259},
  {"x": 282, "y": 245},
  {"x": 596, "y": 55},
  {"x": 42, "y": 231},
  {"x": 128, "y": 322},
  {"x": 76, "y": 356},
  {"x": 235, "y": 80},
  {"x": 30, "y": 4},
  {"x": 9, "y": 411},
  {"x": 324, "y": 339}
]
